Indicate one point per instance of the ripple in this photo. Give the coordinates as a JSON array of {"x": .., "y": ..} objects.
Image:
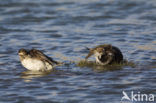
[{"x": 62, "y": 29}]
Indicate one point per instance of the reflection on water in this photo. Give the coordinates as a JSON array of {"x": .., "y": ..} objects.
[
  {"x": 62, "y": 29},
  {"x": 100, "y": 68},
  {"x": 28, "y": 75},
  {"x": 108, "y": 68}
]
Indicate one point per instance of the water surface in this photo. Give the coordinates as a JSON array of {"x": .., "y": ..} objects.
[{"x": 61, "y": 29}]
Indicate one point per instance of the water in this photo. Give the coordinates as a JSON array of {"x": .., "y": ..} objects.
[{"x": 61, "y": 29}]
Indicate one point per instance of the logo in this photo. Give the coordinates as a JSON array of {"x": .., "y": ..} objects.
[
  {"x": 137, "y": 97},
  {"x": 125, "y": 96}
]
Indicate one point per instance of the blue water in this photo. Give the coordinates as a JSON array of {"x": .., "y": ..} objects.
[{"x": 62, "y": 29}]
